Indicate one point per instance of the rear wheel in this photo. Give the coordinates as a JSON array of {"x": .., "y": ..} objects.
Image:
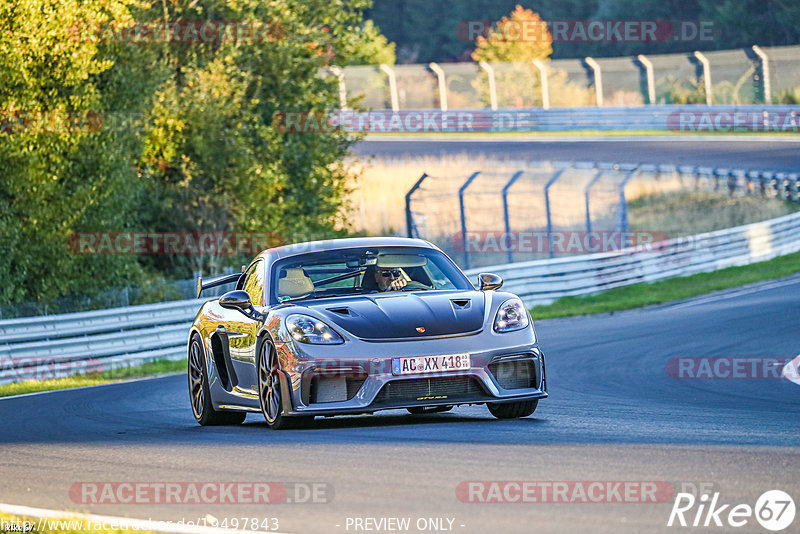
[
  {"x": 513, "y": 410},
  {"x": 419, "y": 410},
  {"x": 199, "y": 393},
  {"x": 269, "y": 391}
]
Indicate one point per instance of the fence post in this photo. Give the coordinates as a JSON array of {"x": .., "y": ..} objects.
[
  {"x": 586, "y": 194},
  {"x": 598, "y": 79},
  {"x": 551, "y": 181},
  {"x": 622, "y": 224},
  {"x": 706, "y": 76},
  {"x": 464, "y": 216},
  {"x": 410, "y": 226},
  {"x": 766, "y": 85},
  {"x": 492, "y": 87},
  {"x": 648, "y": 70},
  {"x": 337, "y": 71},
  {"x": 542, "y": 67},
  {"x": 392, "y": 87},
  {"x": 506, "y": 219},
  {"x": 442, "y": 85}
]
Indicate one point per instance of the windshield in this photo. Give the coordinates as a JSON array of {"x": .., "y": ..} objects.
[{"x": 362, "y": 271}]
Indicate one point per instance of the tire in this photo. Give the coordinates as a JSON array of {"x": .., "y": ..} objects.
[
  {"x": 420, "y": 410},
  {"x": 269, "y": 391},
  {"x": 199, "y": 392},
  {"x": 513, "y": 410}
]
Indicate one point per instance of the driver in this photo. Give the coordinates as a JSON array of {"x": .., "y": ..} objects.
[{"x": 389, "y": 279}]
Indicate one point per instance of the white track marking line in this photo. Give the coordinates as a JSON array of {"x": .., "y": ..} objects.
[
  {"x": 733, "y": 293},
  {"x": 791, "y": 371},
  {"x": 88, "y": 387},
  {"x": 122, "y": 523}
]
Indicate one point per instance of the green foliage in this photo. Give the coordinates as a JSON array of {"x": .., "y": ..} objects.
[
  {"x": 64, "y": 178},
  {"x": 181, "y": 138}
]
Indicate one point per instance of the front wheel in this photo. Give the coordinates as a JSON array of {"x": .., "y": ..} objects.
[
  {"x": 513, "y": 410},
  {"x": 269, "y": 389},
  {"x": 199, "y": 393}
]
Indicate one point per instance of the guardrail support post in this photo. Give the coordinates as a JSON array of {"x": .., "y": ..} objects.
[
  {"x": 598, "y": 79},
  {"x": 492, "y": 87},
  {"x": 766, "y": 85},
  {"x": 411, "y": 228},
  {"x": 392, "y": 87},
  {"x": 337, "y": 71},
  {"x": 706, "y": 76},
  {"x": 551, "y": 181},
  {"x": 506, "y": 219},
  {"x": 542, "y": 68},
  {"x": 442, "y": 85},
  {"x": 461, "y": 191},
  {"x": 648, "y": 71}
]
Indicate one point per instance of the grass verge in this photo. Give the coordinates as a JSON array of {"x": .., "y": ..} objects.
[
  {"x": 644, "y": 294},
  {"x": 161, "y": 367}
]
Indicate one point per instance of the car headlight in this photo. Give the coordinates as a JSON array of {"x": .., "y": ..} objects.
[
  {"x": 511, "y": 316},
  {"x": 306, "y": 329}
]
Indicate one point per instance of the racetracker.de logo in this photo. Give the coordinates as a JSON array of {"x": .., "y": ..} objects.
[
  {"x": 185, "y": 32},
  {"x": 15, "y": 121},
  {"x": 733, "y": 368},
  {"x": 568, "y": 492},
  {"x": 178, "y": 243},
  {"x": 200, "y": 493},
  {"x": 734, "y": 121},
  {"x": 557, "y": 242},
  {"x": 587, "y": 31},
  {"x": 383, "y": 121}
]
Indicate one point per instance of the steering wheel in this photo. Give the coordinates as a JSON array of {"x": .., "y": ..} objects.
[{"x": 413, "y": 284}]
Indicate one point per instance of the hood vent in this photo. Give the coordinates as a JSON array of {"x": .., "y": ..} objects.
[{"x": 341, "y": 311}]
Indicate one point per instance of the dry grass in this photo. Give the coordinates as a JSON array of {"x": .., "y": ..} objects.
[{"x": 378, "y": 200}]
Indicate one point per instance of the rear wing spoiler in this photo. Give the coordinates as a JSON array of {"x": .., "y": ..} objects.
[{"x": 218, "y": 281}]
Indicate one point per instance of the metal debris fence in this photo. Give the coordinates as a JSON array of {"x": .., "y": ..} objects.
[
  {"x": 753, "y": 75},
  {"x": 481, "y": 218}
]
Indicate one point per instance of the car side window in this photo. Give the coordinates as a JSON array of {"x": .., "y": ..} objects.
[{"x": 254, "y": 283}]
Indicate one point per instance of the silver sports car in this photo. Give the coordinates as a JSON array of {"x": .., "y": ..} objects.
[{"x": 353, "y": 326}]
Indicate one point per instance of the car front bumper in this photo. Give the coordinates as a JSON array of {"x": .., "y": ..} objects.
[{"x": 356, "y": 377}]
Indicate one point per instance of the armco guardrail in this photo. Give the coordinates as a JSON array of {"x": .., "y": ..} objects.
[
  {"x": 543, "y": 281},
  {"x": 61, "y": 345},
  {"x": 53, "y": 346},
  {"x": 690, "y": 119}
]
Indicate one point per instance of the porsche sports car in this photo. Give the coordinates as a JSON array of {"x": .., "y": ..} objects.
[{"x": 354, "y": 326}]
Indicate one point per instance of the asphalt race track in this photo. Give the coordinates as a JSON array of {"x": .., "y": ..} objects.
[
  {"x": 751, "y": 152},
  {"x": 614, "y": 415}
]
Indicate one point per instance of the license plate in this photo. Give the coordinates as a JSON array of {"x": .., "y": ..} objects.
[{"x": 413, "y": 365}]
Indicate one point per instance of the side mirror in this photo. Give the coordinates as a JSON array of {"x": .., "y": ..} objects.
[
  {"x": 236, "y": 300},
  {"x": 489, "y": 281}
]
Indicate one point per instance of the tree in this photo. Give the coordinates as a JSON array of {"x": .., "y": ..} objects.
[
  {"x": 213, "y": 155},
  {"x": 521, "y": 38},
  {"x": 64, "y": 169},
  {"x": 511, "y": 47}
]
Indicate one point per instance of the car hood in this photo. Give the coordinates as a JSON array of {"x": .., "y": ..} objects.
[{"x": 406, "y": 315}]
